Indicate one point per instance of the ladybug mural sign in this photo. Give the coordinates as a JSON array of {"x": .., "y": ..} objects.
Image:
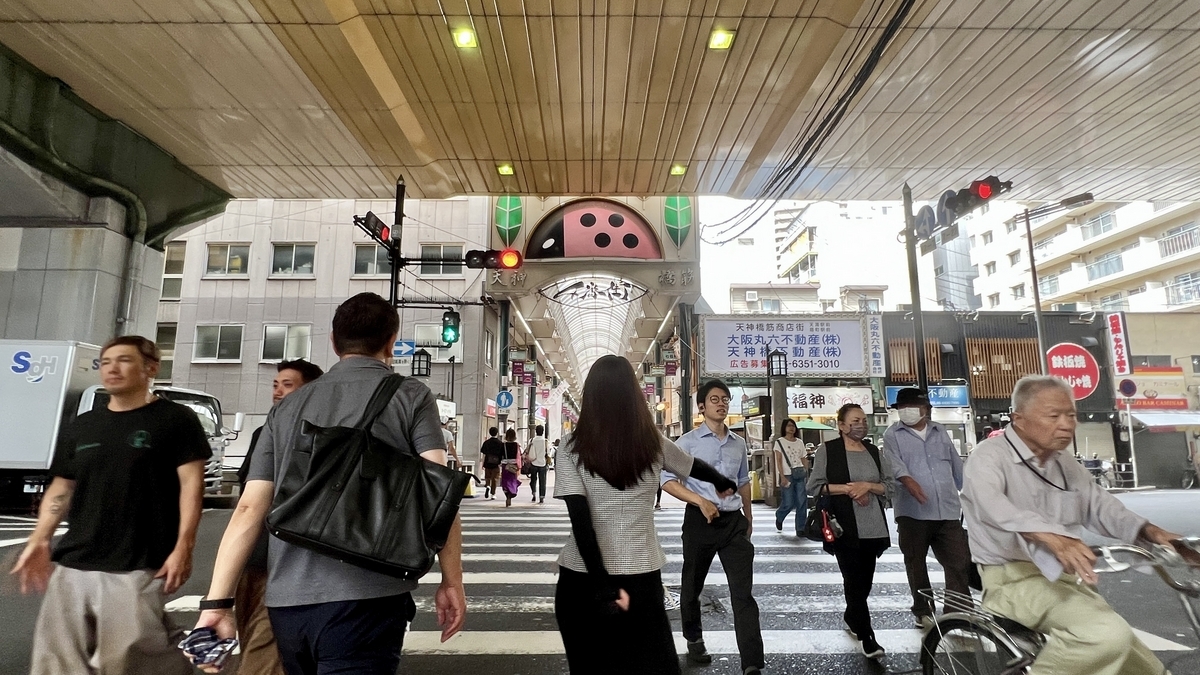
[{"x": 593, "y": 228}]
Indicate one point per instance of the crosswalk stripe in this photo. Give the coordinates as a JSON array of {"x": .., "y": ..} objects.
[
  {"x": 760, "y": 578},
  {"x": 798, "y": 558}
]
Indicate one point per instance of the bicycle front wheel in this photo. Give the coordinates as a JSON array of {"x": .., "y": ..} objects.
[{"x": 964, "y": 647}]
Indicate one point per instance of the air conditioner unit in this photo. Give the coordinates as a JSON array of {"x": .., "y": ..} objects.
[{"x": 751, "y": 296}]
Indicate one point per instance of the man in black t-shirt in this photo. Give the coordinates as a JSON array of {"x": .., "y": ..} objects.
[
  {"x": 130, "y": 479},
  {"x": 491, "y": 453}
]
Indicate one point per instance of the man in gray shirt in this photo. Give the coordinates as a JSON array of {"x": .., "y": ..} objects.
[
  {"x": 1027, "y": 503},
  {"x": 329, "y": 615}
]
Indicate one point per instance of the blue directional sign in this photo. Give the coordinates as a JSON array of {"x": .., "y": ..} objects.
[
  {"x": 404, "y": 348},
  {"x": 504, "y": 400},
  {"x": 924, "y": 223},
  {"x": 949, "y": 396}
]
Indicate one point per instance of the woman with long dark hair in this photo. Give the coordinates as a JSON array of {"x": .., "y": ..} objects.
[
  {"x": 791, "y": 463},
  {"x": 510, "y": 467},
  {"x": 857, "y": 478},
  {"x": 609, "y": 599}
]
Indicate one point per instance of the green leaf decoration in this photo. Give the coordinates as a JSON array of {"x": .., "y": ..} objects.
[
  {"x": 508, "y": 218},
  {"x": 678, "y": 215}
]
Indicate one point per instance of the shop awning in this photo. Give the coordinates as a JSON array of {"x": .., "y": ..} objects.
[{"x": 1174, "y": 418}]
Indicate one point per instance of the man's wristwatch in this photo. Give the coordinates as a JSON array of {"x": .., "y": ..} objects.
[{"x": 220, "y": 603}]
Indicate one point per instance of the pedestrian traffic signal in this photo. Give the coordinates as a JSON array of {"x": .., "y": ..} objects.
[
  {"x": 491, "y": 259},
  {"x": 450, "y": 327}
]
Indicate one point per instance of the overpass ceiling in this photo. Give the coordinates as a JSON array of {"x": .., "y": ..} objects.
[{"x": 334, "y": 98}]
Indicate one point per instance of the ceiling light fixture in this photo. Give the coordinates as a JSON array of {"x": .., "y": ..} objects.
[
  {"x": 464, "y": 38},
  {"x": 505, "y": 169},
  {"x": 721, "y": 39},
  {"x": 678, "y": 169}
]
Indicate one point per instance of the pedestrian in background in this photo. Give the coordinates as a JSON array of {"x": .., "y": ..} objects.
[
  {"x": 716, "y": 524},
  {"x": 791, "y": 463},
  {"x": 491, "y": 453},
  {"x": 129, "y": 478},
  {"x": 329, "y": 616},
  {"x": 510, "y": 474},
  {"x": 609, "y": 597},
  {"x": 537, "y": 456},
  {"x": 451, "y": 448},
  {"x": 928, "y": 511},
  {"x": 260, "y": 655},
  {"x": 858, "y": 479}
]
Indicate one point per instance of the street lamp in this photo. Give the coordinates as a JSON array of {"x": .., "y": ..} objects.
[
  {"x": 777, "y": 365},
  {"x": 1029, "y": 214},
  {"x": 421, "y": 363}
]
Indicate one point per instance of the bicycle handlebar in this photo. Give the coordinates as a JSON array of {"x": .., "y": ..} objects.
[{"x": 1160, "y": 558}]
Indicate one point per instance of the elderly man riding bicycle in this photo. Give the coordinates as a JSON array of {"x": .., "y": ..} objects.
[{"x": 1026, "y": 505}]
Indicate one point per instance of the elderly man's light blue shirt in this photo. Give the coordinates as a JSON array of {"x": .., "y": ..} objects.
[
  {"x": 933, "y": 463},
  {"x": 727, "y": 456}
]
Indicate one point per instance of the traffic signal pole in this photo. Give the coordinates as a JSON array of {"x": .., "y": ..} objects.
[
  {"x": 397, "y": 237},
  {"x": 914, "y": 284}
]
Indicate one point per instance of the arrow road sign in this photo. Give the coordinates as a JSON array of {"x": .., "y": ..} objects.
[{"x": 404, "y": 348}]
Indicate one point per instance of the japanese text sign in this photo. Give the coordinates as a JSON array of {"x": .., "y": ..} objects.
[
  {"x": 875, "y": 345},
  {"x": 1077, "y": 366},
  {"x": 817, "y": 345},
  {"x": 827, "y": 400},
  {"x": 1118, "y": 343}
]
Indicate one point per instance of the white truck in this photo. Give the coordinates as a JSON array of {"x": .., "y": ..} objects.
[{"x": 44, "y": 385}]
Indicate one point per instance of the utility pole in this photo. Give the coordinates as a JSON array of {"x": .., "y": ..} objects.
[
  {"x": 914, "y": 284},
  {"x": 1037, "y": 297}
]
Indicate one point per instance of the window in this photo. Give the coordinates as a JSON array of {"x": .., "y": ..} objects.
[
  {"x": 1018, "y": 291},
  {"x": 990, "y": 268},
  {"x": 1010, "y": 226},
  {"x": 994, "y": 300},
  {"x": 1014, "y": 257},
  {"x": 987, "y": 238},
  {"x": 228, "y": 259},
  {"x": 489, "y": 347},
  {"x": 939, "y": 271},
  {"x": 1048, "y": 285},
  {"x": 443, "y": 268},
  {"x": 1152, "y": 360},
  {"x": 1111, "y": 301},
  {"x": 1139, "y": 289},
  {"x": 869, "y": 305},
  {"x": 172, "y": 283},
  {"x": 218, "y": 343},
  {"x": 1105, "y": 265},
  {"x": 1097, "y": 226},
  {"x": 293, "y": 259},
  {"x": 429, "y": 335},
  {"x": 165, "y": 339},
  {"x": 828, "y": 305},
  {"x": 1195, "y": 363},
  {"x": 971, "y": 239},
  {"x": 286, "y": 342},
  {"x": 771, "y": 305},
  {"x": 371, "y": 259}
]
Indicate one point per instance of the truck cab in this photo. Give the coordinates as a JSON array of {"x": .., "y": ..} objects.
[{"x": 207, "y": 409}]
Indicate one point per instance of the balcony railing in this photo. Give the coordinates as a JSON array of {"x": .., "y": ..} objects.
[
  {"x": 1183, "y": 293},
  {"x": 1179, "y": 243},
  {"x": 1048, "y": 286},
  {"x": 1104, "y": 268}
]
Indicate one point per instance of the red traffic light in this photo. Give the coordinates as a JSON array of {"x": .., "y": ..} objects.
[
  {"x": 510, "y": 259},
  {"x": 982, "y": 190},
  {"x": 989, "y": 187}
]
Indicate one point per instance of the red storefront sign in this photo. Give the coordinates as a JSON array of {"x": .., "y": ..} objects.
[
  {"x": 1077, "y": 366},
  {"x": 1118, "y": 343}
]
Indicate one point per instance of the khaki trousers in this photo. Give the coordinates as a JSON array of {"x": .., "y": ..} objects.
[
  {"x": 106, "y": 623},
  {"x": 260, "y": 654},
  {"x": 1085, "y": 635}
]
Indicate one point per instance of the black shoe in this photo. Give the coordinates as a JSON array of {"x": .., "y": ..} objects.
[
  {"x": 871, "y": 648},
  {"x": 697, "y": 654},
  {"x": 533, "y": 498},
  {"x": 542, "y": 500},
  {"x": 752, "y": 670},
  {"x": 779, "y": 526}
]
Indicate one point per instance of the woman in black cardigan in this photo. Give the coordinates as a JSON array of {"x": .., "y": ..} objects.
[{"x": 856, "y": 478}]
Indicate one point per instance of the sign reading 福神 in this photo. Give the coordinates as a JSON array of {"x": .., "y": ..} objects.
[
  {"x": 1118, "y": 343},
  {"x": 825, "y": 401},
  {"x": 817, "y": 345}
]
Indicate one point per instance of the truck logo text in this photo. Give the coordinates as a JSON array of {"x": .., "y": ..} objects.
[{"x": 34, "y": 371}]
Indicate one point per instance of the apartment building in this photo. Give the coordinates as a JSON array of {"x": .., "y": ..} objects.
[
  {"x": 259, "y": 284},
  {"x": 1139, "y": 256}
]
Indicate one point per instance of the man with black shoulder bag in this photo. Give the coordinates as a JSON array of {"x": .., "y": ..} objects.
[{"x": 338, "y": 591}]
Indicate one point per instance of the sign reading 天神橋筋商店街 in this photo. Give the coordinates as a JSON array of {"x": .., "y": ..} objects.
[{"x": 825, "y": 345}]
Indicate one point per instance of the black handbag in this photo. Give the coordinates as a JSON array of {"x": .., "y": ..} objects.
[
  {"x": 347, "y": 495},
  {"x": 821, "y": 525}
]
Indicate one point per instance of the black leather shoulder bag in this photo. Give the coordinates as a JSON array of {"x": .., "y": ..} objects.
[{"x": 350, "y": 496}]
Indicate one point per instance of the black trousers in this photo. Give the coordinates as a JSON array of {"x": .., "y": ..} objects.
[
  {"x": 858, "y": 575},
  {"x": 726, "y": 537},
  {"x": 598, "y": 641},
  {"x": 948, "y": 540},
  {"x": 352, "y": 637},
  {"x": 537, "y": 479}
]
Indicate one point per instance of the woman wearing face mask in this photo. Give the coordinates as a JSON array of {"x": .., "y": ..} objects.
[{"x": 858, "y": 479}]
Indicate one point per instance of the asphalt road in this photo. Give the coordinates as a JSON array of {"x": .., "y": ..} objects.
[{"x": 509, "y": 562}]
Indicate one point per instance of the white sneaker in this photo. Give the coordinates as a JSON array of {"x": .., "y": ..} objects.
[{"x": 670, "y": 599}]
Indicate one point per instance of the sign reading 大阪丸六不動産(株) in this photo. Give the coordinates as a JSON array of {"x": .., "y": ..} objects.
[{"x": 816, "y": 345}]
